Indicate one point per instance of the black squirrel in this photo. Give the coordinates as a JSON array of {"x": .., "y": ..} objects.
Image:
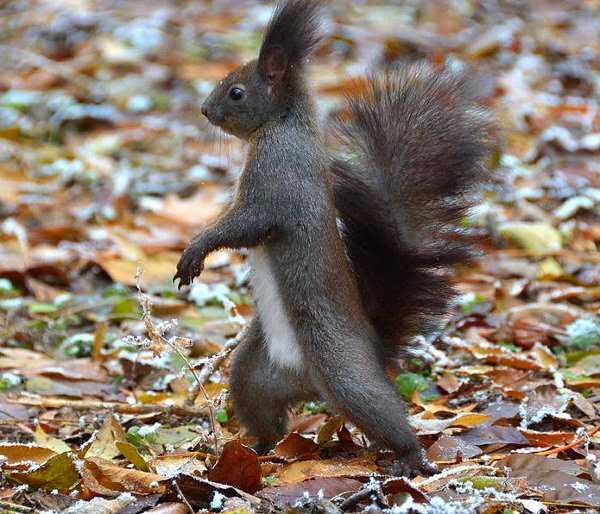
[{"x": 349, "y": 257}]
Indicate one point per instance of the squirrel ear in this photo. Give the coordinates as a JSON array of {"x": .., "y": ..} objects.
[
  {"x": 274, "y": 64},
  {"x": 291, "y": 36}
]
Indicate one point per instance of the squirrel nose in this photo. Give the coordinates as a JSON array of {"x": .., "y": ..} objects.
[{"x": 204, "y": 110}]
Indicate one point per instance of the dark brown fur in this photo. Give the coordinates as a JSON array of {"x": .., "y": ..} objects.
[
  {"x": 284, "y": 205},
  {"x": 421, "y": 144}
]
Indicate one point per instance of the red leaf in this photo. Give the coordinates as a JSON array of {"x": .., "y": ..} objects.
[{"x": 238, "y": 466}]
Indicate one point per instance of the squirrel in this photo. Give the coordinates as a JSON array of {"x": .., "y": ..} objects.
[{"x": 349, "y": 257}]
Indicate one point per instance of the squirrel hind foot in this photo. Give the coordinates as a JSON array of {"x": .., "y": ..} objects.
[{"x": 408, "y": 469}]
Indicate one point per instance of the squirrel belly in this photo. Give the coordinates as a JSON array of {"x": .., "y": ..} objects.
[{"x": 280, "y": 337}]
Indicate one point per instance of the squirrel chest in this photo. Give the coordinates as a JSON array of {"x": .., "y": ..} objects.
[{"x": 279, "y": 334}]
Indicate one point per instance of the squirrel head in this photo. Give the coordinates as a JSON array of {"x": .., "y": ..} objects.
[{"x": 260, "y": 90}]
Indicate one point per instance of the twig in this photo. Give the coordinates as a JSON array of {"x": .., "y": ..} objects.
[
  {"x": 181, "y": 496},
  {"x": 121, "y": 408},
  {"x": 362, "y": 494},
  {"x": 213, "y": 363},
  {"x": 572, "y": 444},
  {"x": 209, "y": 402},
  {"x": 158, "y": 338}
]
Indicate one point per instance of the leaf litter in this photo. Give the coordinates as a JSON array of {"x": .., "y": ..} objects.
[{"x": 107, "y": 167}]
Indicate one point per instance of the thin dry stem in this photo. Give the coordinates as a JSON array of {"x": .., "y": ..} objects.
[{"x": 160, "y": 340}]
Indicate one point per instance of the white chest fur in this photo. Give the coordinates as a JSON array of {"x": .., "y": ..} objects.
[{"x": 280, "y": 337}]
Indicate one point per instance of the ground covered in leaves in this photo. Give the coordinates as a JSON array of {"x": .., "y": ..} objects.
[{"x": 107, "y": 169}]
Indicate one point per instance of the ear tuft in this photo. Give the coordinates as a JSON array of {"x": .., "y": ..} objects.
[{"x": 292, "y": 34}]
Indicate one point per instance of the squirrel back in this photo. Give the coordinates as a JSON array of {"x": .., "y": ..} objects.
[{"x": 417, "y": 144}]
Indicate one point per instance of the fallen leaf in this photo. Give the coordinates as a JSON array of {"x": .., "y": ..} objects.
[
  {"x": 34, "y": 363},
  {"x": 199, "y": 491},
  {"x": 435, "y": 426},
  {"x": 294, "y": 446},
  {"x": 493, "y": 434},
  {"x": 557, "y": 486},
  {"x": 523, "y": 465},
  {"x": 46, "y": 386},
  {"x": 131, "y": 453},
  {"x": 52, "y": 443},
  {"x": 542, "y": 401},
  {"x": 12, "y": 410},
  {"x": 449, "y": 449},
  {"x": 318, "y": 488},
  {"x": 539, "y": 238},
  {"x": 295, "y": 472},
  {"x": 105, "y": 478},
  {"x": 172, "y": 466},
  {"x": 448, "y": 382},
  {"x": 59, "y": 472},
  {"x": 551, "y": 438},
  {"x": 169, "y": 508},
  {"x": 22, "y": 455},
  {"x": 157, "y": 268},
  {"x": 238, "y": 466},
  {"x": 104, "y": 441},
  {"x": 329, "y": 429}
]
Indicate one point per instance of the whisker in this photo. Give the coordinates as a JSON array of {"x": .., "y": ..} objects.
[{"x": 228, "y": 153}]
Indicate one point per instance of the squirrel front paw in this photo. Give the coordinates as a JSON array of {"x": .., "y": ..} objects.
[{"x": 189, "y": 266}]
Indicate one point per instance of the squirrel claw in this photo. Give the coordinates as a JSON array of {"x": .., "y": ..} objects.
[{"x": 187, "y": 270}]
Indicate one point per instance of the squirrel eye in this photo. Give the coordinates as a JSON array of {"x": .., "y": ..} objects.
[{"x": 236, "y": 93}]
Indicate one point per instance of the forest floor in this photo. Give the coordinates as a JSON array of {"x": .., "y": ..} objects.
[{"x": 114, "y": 384}]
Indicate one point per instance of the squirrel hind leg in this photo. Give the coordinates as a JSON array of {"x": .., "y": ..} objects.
[
  {"x": 374, "y": 406},
  {"x": 354, "y": 382},
  {"x": 262, "y": 392}
]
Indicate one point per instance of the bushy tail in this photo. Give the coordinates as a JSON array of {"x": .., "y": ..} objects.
[{"x": 416, "y": 146}]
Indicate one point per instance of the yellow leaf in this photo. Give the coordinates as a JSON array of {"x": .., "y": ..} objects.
[
  {"x": 52, "y": 443},
  {"x": 104, "y": 443},
  {"x": 59, "y": 472},
  {"x": 131, "y": 453},
  {"x": 331, "y": 427},
  {"x": 470, "y": 419}
]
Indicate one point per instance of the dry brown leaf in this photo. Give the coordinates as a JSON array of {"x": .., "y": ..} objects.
[
  {"x": 450, "y": 449},
  {"x": 47, "y": 441},
  {"x": 19, "y": 456},
  {"x": 195, "y": 211},
  {"x": 238, "y": 466},
  {"x": 542, "y": 439},
  {"x": 174, "y": 465},
  {"x": 104, "y": 478},
  {"x": 449, "y": 383},
  {"x": 157, "y": 268},
  {"x": 294, "y": 446},
  {"x": 295, "y": 472},
  {"x": 169, "y": 508},
  {"x": 104, "y": 441},
  {"x": 317, "y": 488},
  {"x": 12, "y": 411},
  {"x": 34, "y": 363}
]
